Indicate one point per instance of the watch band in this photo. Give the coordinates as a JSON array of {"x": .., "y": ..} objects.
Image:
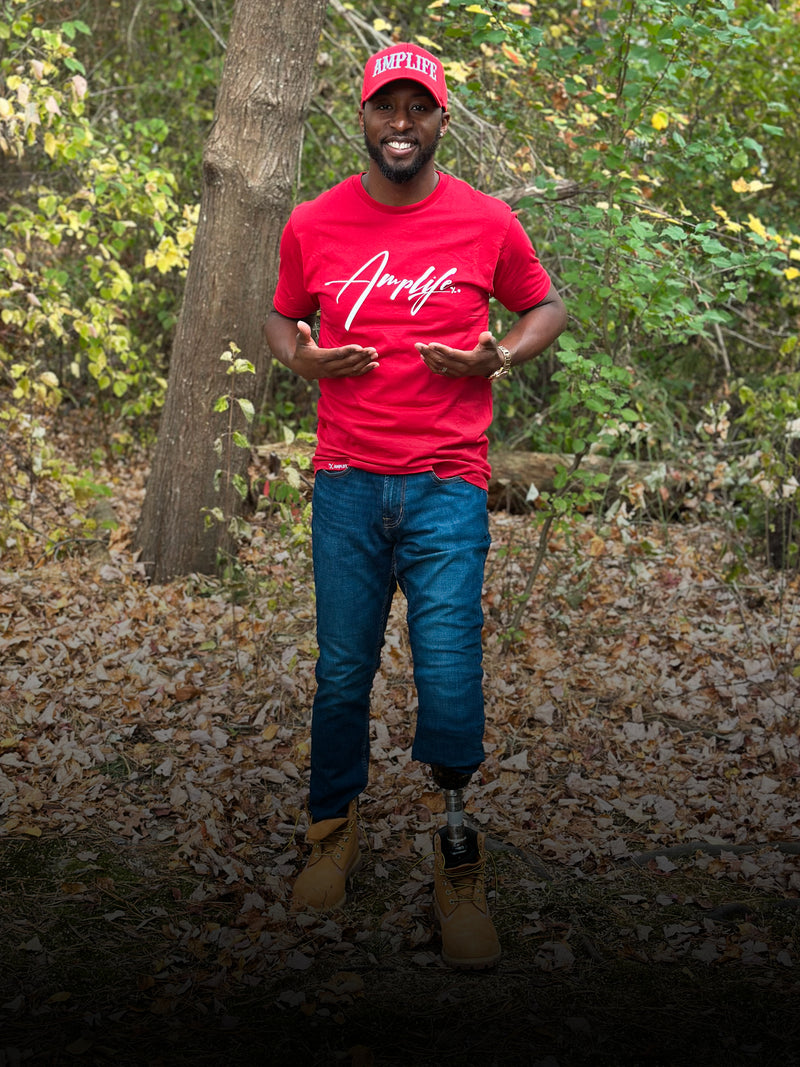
[{"x": 502, "y": 371}]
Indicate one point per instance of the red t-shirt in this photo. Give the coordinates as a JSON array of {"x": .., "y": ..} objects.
[{"x": 388, "y": 277}]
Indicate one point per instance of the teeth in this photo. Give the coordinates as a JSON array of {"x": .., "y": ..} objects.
[{"x": 400, "y": 144}]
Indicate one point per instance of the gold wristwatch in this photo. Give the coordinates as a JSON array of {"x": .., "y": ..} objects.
[{"x": 503, "y": 371}]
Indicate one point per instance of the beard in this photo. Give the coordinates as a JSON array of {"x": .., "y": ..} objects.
[{"x": 400, "y": 173}]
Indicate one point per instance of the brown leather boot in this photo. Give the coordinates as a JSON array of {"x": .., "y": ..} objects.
[
  {"x": 469, "y": 939},
  {"x": 335, "y": 855}
]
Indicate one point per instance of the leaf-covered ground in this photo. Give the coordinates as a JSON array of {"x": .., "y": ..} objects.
[{"x": 640, "y": 796}]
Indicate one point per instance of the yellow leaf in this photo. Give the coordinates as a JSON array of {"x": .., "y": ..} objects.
[
  {"x": 6, "y": 108},
  {"x": 456, "y": 71},
  {"x": 50, "y": 144},
  {"x": 742, "y": 185},
  {"x": 381, "y": 25},
  {"x": 660, "y": 120},
  {"x": 426, "y": 42},
  {"x": 476, "y": 9},
  {"x": 756, "y": 225},
  {"x": 168, "y": 259},
  {"x": 791, "y": 273},
  {"x": 31, "y": 831}
]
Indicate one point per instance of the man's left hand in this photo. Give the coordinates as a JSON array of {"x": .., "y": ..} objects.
[{"x": 482, "y": 361}]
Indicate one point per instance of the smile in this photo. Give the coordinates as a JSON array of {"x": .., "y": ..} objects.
[{"x": 400, "y": 147}]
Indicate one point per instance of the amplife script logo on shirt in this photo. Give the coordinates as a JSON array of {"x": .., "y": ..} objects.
[{"x": 374, "y": 275}]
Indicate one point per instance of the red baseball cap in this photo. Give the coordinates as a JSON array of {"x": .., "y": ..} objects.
[{"x": 405, "y": 61}]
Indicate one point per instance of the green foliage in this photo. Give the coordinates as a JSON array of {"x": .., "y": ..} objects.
[
  {"x": 590, "y": 411},
  {"x": 92, "y": 236},
  {"x": 226, "y": 478},
  {"x": 284, "y": 492},
  {"x": 768, "y": 430},
  {"x": 647, "y": 206},
  {"x": 77, "y": 283},
  {"x": 619, "y": 103},
  {"x": 45, "y": 501},
  {"x": 653, "y": 138}
]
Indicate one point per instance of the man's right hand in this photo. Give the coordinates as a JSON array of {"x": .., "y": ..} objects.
[
  {"x": 291, "y": 342},
  {"x": 310, "y": 361}
]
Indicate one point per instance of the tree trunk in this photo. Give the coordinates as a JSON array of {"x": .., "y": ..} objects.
[{"x": 250, "y": 162}]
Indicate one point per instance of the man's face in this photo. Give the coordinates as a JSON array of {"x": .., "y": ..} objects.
[{"x": 402, "y": 124}]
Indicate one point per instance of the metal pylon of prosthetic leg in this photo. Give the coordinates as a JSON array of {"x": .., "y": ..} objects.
[{"x": 452, "y": 785}]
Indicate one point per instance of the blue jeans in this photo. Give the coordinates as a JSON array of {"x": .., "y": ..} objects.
[{"x": 371, "y": 532}]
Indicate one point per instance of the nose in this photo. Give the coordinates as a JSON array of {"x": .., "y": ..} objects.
[{"x": 401, "y": 118}]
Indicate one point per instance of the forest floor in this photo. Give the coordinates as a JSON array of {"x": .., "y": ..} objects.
[{"x": 640, "y": 797}]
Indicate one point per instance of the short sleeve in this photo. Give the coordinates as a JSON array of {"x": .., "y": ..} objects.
[
  {"x": 520, "y": 280},
  {"x": 291, "y": 297}
]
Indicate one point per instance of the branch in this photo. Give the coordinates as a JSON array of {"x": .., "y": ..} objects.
[{"x": 711, "y": 848}]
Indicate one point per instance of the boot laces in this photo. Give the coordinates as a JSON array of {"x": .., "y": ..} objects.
[
  {"x": 467, "y": 881},
  {"x": 334, "y": 842}
]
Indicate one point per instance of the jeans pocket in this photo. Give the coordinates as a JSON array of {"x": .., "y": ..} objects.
[
  {"x": 453, "y": 479},
  {"x": 336, "y": 472}
]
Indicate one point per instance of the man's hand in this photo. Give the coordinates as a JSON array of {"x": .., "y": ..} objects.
[
  {"x": 482, "y": 361},
  {"x": 310, "y": 361},
  {"x": 291, "y": 343}
]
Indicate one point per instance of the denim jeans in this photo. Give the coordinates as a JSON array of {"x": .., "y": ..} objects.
[{"x": 370, "y": 533}]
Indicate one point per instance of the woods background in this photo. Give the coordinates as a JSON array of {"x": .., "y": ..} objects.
[
  {"x": 156, "y": 601},
  {"x": 648, "y": 147}
]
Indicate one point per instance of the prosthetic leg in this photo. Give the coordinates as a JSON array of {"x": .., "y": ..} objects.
[
  {"x": 452, "y": 784},
  {"x": 469, "y": 940}
]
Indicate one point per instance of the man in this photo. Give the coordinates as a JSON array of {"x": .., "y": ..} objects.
[{"x": 400, "y": 262}]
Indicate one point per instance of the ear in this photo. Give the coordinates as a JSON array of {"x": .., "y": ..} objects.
[
  {"x": 445, "y": 120},
  {"x": 361, "y": 119}
]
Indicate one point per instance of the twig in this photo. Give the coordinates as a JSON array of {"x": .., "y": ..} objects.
[{"x": 710, "y": 848}]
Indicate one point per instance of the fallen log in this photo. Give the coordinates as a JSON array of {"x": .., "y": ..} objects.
[{"x": 513, "y": 473}]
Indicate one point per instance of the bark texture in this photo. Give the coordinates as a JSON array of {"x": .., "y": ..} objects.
[{"x": 250, "y": 163}]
